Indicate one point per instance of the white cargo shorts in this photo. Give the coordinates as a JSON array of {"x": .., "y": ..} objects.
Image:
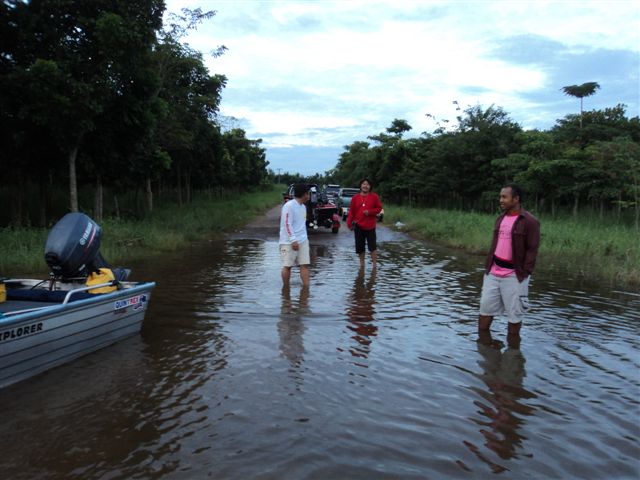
[
  {"x": 504, "y": 295},
  {"x": 291, "y": 257}
]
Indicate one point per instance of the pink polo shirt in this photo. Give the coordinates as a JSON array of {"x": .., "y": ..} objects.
[{"x": 504, "y": 248}]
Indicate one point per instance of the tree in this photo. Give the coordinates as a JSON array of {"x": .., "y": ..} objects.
[
  {"x": 618, "y": 166},
  {"x": 100, "y": 93},
  {"x": 249, "y": 158},
  {"x": 581, "y": 91},
  {"x": 74, "y": 60},
  {"x": 354, "y": 162},
  {"x": 398, "y": 127},
  {"x": 390, "y": 156},
  {"x": 482, "y": 136}
]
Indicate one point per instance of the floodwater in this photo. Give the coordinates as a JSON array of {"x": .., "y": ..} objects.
[{"x": 366, "y": 375}]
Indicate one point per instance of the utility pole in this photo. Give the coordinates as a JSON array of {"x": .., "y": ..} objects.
[{"x": 278, "y": 179}]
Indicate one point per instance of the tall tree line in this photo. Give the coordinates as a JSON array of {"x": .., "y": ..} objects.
[
  {"x": 100, "y": 96},
  {"x": 591, "y": 159}
]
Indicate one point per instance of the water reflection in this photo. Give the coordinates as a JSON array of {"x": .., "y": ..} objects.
[
  {"x": 291, "y": 327},
  {"x": 125, "y": 415},
  {"x": 199, "y": 395},
  {"x": 503, "y": 374},
  {"x": 361, "y": 311}
]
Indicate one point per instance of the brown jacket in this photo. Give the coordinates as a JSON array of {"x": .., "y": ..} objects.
[{"x": 525, "y": 239}]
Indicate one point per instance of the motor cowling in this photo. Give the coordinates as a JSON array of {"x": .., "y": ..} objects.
[{"x": 72, "y": 247}]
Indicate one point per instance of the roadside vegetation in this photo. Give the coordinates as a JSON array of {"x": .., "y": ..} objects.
[
  {"x": 166, "y": 229},
  {"x": 581, "y": 178},
  {"x": 584, "y": 246}
]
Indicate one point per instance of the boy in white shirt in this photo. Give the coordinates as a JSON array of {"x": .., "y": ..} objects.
[{"x": 294, "y": 244}]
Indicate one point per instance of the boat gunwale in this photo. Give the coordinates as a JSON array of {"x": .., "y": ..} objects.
[{"x": 52, "y": 310}]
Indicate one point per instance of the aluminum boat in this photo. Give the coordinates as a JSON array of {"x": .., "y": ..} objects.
[{"x": 44, "y": 324}]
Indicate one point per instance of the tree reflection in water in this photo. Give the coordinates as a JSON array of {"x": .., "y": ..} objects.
[
  {"x": 503, "y": 373},
  {"x": 360, "y": 311}
]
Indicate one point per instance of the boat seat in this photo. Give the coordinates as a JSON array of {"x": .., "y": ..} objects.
[
  {"x": 39, "y": 295},
  {"x": 19, "y": 305}
]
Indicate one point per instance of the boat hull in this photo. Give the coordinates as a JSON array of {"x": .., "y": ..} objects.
[{"x": 38, "y": 340}]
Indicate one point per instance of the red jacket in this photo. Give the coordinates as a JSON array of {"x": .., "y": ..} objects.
[{"x": 360, "y": 203}]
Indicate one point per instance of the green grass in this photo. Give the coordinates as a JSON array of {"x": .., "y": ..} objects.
[
  {"x": 167, "y": 229},
  {"x": 586, "y": 247},
  {"x": 22, "y": 250}
]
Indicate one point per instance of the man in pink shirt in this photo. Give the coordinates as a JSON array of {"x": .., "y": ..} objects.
[{"x": 509, "y": 264}]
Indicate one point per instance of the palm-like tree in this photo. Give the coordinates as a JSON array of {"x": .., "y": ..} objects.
[{"x": 581, "y": 91}]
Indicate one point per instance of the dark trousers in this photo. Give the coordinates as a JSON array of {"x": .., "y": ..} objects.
[{"x": 364, "y": 236}]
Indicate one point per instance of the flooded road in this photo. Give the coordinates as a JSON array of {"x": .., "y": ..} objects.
[{"x": 366, "y": 375}]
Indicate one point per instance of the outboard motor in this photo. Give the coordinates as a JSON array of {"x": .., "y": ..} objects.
[{"x": 73, "y": 248}]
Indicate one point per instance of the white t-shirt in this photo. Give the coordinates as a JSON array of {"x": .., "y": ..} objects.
[{"x": 293, "y": 222}]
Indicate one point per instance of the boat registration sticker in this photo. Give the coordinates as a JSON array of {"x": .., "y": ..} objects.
[{"x": 136, "y": 302}]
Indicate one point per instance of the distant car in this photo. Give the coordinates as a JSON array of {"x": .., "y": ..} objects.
[{"x": 344, "y": 200}]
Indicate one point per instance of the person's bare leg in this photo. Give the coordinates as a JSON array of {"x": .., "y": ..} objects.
[
  {"x": 374, "y": 258},
  {"x": 304, "y": 275},
  {"x": 362, "y": 259},
  {"x": 286, "y": 275},
  {"x": 513, "y": 340},
  {"x": 484, "y": 337},
  {"x": 484, "y": 322},
  {"x": 514, "y": 328}
]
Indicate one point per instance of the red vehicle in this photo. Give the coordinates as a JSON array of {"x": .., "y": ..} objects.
[{"x": 320, "y": 211}]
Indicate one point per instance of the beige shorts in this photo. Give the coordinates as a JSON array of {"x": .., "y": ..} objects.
[
  {"x": 504, "y": 295},
  {"x": 291, "y": 257}
]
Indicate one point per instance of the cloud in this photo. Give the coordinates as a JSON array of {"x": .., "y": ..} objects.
[{"x": 329, "y": 73}]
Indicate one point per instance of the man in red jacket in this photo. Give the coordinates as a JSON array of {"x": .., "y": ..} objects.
[{"x": 361, "y": 218}]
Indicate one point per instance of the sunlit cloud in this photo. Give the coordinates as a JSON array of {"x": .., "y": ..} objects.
[{"x": 326, "y": 74}]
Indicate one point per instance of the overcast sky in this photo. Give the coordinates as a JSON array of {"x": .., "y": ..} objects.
[{"x": 309, "y": 77}]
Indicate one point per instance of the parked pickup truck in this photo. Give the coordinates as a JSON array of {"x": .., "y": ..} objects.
[{"x": 344, "y": 200}]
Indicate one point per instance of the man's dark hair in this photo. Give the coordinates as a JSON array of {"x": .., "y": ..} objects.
[
  {"x": 365, "y": 180},
  {"x": 516, "y": 191},
  {"x": 299, "y": 189}
]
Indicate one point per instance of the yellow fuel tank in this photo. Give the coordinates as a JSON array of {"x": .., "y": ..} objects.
[{"x": 105, "y": 275}]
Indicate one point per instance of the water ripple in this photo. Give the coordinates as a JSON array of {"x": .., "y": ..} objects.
[{"x": 364, "y": 375}]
